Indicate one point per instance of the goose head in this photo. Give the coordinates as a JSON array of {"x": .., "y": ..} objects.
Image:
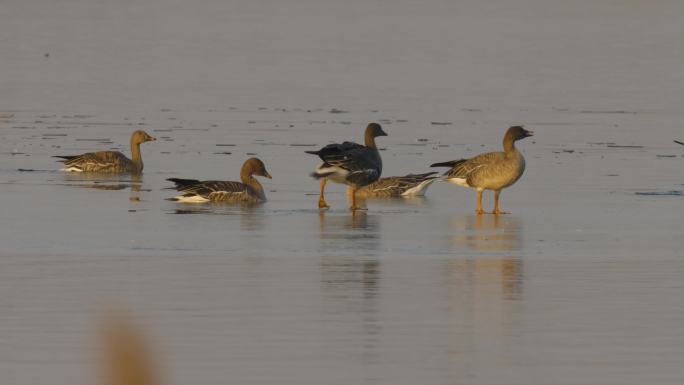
[
  {"x": 517, "y": 133},
  {"x": 254, "y": 166},
  {"x": 140, "y": 136}
]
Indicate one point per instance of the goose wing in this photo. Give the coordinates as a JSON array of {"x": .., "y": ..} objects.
[
  {"x": 469, "y": 168},
  {"x": 209, "y": 189},
  {"x": 93, "y": 161},
  {"x": 344, "y": 155},
  {"x": 359, "y": 165},
  {"x": 401, "y": 183},
  {"x": 398, "y": 185}
]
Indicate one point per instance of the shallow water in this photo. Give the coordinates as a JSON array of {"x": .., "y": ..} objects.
[{"x": 580, "y": 284}]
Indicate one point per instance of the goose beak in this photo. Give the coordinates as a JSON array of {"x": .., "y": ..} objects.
[
  {"x": 529, "y": 133},
  {"x": 151, "y": 139},
  {"x": 267, "y": 175}
]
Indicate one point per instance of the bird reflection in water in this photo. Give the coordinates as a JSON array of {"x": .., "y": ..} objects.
[
  {"x": 484, "y": 289},
  {"x": 350, "y": 288},
  {"x": 486, "y": 232},
  {"x": 252, "y": 218},
  {"x": 489, "y": 233},
  {"x": 111, "y": 182},
  {"x": 389, "y": 202},
  {"x": 249, "y": 213},
  {"x": 354, "y": 227},
  {"x": 350, "y": 282}
]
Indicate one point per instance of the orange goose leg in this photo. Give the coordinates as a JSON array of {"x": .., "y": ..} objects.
[
  {"x": 479, "y": 210},
  {"x": 321, "y": 199},
  {"x": 354, "y": 207},
  {"x": 496, "y": 204}
]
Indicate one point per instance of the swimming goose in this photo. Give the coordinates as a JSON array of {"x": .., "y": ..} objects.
[
  {"x": 109, "y": 161},
  {"x": 350, "y": 163},
  {"x": 249, "y": 191},
  {"x": 490, "y": 171},
  {"x": 411, "y": 185}
]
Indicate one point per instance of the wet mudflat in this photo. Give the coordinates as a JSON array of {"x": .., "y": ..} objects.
[{"x": 580, "y": 284}]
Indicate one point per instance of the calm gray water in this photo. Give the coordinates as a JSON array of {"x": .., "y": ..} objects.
[{"x": 581, "y": 284}]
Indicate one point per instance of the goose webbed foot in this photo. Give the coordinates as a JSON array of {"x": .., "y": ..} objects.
[{"x": 322, "y": 204}]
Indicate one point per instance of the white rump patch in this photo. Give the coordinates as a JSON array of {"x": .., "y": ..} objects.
[
  {"x": 459, "y": 181},
  {"x": 191, "y": 199},
  {"x": 337, "y": 174}
]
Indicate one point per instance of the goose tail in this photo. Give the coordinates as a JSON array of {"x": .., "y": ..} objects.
[
  {"x": 320, "y": 175},
  {"x": 450, "y": 163},
  {"x": 65, "y": 158},
  {"x": 179, "y": 182},
  {"x": 420, "y": 189}
]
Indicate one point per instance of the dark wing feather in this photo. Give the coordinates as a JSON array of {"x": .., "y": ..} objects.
[
  {"x": 340, "y": 155},
  {"x": 208, "y": 187},
  {"x": 418, "y": 178},
  {"x": 450, "y": 163},
  {"x": 66, "y": 158},
  {"x": 182, "y": 183}
]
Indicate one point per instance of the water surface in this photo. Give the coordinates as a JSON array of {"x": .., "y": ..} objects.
[{"x": 580, "y": 284}]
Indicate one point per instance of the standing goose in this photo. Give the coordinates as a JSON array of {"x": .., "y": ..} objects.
[
  {"x": 350, "y": 163},
  {"x": 109, "y": 161},
  {"x": 249, "y": 191},
  {"x": 490, "y": 171},
  {"x": 411, "y": 185}
]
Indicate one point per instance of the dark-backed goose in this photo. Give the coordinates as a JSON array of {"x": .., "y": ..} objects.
[
  {"x": 350, "y": 163},
  {"x": 411, "y": 185},
  {"x": 109, "y": 161},
  {"x": 249, "y": 191},
  {"x": 490, "y": 171}
]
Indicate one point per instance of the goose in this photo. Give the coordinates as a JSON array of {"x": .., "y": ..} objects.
[
  {"x": 109, "y": 161},
  {"x": 350, "y": 163},
  {"x": 490, "y": 171},
  {"x": 411, "y": 185},
  {"x": 247, "y": 191}
]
